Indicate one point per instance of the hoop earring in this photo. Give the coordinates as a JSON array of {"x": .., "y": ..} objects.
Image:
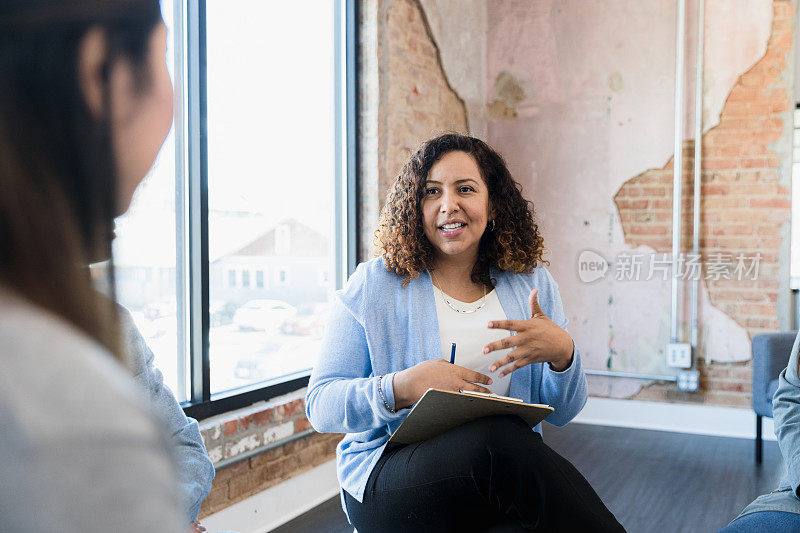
[{"x": 493, "y": 225}]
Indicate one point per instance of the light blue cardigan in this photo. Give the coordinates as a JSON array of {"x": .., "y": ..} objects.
[
  {"x": 378, "y": 327},
  {"x": 194, "y": 468}
]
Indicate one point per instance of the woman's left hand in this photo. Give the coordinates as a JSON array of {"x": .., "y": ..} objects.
[{"x": 536, "y": 340}]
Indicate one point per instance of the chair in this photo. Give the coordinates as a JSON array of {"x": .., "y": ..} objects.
[{"x": 771, "y": 353}]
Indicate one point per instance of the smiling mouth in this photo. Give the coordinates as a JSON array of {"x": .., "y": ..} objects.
[{"x": 452, "y": 227}]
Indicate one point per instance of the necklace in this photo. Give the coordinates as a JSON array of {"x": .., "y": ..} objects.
[{"x": 450, "y": 304}]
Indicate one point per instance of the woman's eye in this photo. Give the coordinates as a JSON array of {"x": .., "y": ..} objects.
[
  {"x": 467, "y": 188},
  {"x": 431, "y": 190}
]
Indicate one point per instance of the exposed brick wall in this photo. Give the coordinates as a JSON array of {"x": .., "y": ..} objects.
[
  {"x": 370, "y": 47},
  {"x": 282, "y": 430},
  {"x": 744, "y": 207},
  {"x": 230, "y": 435},
  {"x": 405, "y": 95},
  {"x": 727, "y": 384},
  {"x": 245, "y": 478},
  {"x": 419, "y": 101}
]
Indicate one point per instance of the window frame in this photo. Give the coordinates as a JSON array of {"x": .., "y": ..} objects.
[{"x": 191, "y": 162}]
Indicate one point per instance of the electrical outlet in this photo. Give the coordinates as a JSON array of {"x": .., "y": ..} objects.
[
  {"x": 679, "y": 355},
  {"x": 688, "y": 380}
]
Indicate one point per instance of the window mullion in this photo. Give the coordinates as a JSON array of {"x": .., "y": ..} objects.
[
  {"x": 182, "y": 287},
  {"x": 198, "y": 203},
  {"x": 351, "y": 151}
]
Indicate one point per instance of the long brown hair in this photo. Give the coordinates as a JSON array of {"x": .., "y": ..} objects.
[
  {"x": 58, "y": 190},
  {"x": 511, "y": 243}
]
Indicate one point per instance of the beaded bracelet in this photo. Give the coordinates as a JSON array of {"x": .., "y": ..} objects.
[{"x": 380, "y": 391}]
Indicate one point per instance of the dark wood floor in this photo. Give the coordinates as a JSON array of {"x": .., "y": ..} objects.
[{"x": 653, "y": 481}]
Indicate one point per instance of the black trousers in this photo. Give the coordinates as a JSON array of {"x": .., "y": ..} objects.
[{"x": 492, "y": 474}]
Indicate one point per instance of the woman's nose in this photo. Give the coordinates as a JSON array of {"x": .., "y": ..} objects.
[{"x": 449, "y": 203}]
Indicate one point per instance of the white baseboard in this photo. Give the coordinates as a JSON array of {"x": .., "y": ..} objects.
[
  {"x": 681, "y": 418},
  {"x": 277, "y": 505}
]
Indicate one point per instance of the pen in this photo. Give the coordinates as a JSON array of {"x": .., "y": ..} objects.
[{"x": 453, "y": 354}]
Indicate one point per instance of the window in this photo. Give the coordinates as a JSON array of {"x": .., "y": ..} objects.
[
  {"x": 256, "y": 181},
  {"x": 281, "y": 277},
  {"x": 269, "y": 198}
]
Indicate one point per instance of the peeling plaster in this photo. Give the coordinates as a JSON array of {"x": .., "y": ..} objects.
[
  {"x": 458, "y": 29},
  {"x": 721, "y": 339},
  {"x": 727, "y": 58},
  {"x": 498, "y": 109},
  {"x": 615, "y": 82},
  {"x": 568, "y": 54},
  {"x": 633, "y": 126},
  {"x": 215, "y": 454},
  {"x": 242, "y": 445},
  {"x": 600, "y": 113},
  {"x": 614, "y": 387},
  {"x": 508, "y": 89},
  {"x": 279, "y": 432}
]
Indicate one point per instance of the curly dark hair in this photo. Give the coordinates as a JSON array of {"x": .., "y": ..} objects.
[{"x": 513, "y": 244}]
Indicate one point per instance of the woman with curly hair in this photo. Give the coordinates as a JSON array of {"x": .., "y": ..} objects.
[{"x": 460, "y": 260}]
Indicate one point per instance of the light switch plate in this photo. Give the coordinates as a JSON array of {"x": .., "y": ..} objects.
[{"x": 679, "y": 355}]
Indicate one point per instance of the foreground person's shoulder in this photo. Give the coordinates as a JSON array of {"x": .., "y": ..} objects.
[{"x": 76, "y": 436}]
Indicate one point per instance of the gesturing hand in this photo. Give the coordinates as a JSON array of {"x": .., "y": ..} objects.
[
  {"x": 536, "y": 340},
  {"x": 410, "y": 384}
]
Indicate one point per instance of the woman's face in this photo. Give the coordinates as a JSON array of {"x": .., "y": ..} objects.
[
  {"x": 140, "y": 110},
  {"x": 455, "y": 207},
  {"x": 141, "y": 117}
]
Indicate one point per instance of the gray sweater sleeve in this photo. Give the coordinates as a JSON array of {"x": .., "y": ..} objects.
[
  {"x": 195, "y": 469},
  {"x": 786, "y": 413},
  {"x": 79, "y": 450}
]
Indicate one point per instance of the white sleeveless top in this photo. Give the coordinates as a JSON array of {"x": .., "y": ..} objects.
[{"x": 470, "y": 333}]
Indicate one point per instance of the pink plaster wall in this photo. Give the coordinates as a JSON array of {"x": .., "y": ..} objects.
[{"x": 598, "y": 84}]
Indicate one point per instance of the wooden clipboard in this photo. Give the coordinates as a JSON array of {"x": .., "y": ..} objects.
[{"x": 439, "y": 411}]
